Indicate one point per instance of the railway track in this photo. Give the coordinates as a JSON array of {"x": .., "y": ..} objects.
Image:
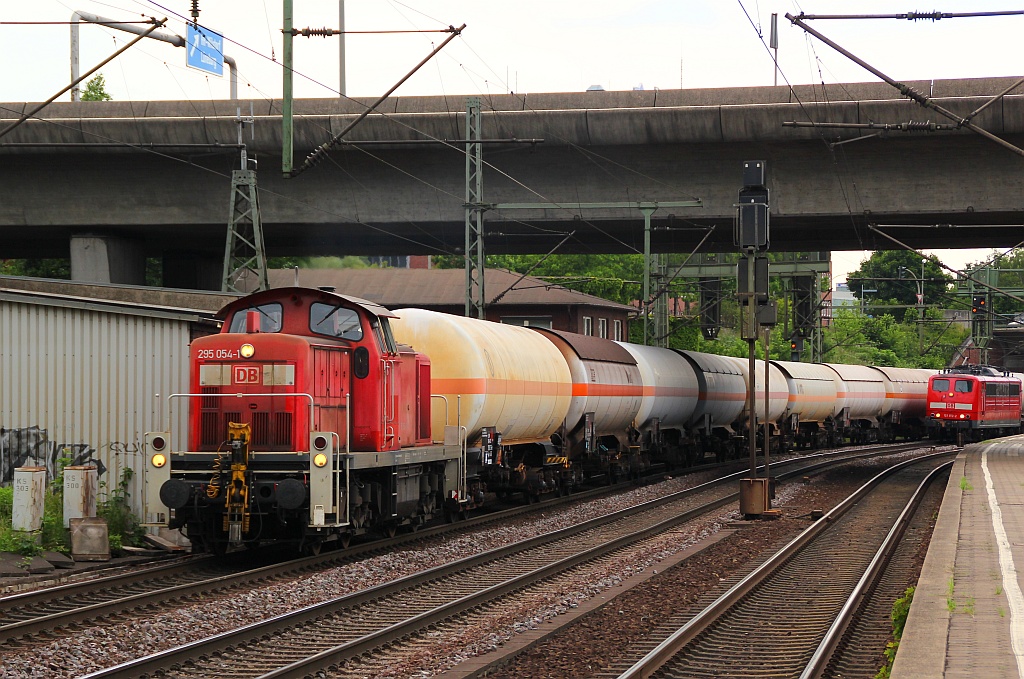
[
  {"x": 64, "y": 607},
  {"x": 790, "y": 614},
  {"x": 370, "y": 622},
  {"x": 42, "y": 614}
]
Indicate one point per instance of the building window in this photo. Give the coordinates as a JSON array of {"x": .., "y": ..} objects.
[
  {"x": 618, "y": 331},
  {"x": 588, "y": 325},
  {"x": 528, "y": 321},
  {"x": 602, "y": 328}
]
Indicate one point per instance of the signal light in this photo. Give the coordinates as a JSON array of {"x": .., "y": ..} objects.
[{"x": 978, "y": 305}]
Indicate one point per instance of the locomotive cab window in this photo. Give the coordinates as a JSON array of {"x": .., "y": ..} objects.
[
  {"x": 385, "y": 340},
  {"x": 270, "y": 317},
  {"x": 963, "y": 386},
  {"x": 940, "y": 385},
  {"x": 336, "y": 321}
]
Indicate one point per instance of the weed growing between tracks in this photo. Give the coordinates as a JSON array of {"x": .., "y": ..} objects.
[{"x": 900, "y": 609}]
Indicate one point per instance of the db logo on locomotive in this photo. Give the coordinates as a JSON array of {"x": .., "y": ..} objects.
[{"x": 246, "y": 374}]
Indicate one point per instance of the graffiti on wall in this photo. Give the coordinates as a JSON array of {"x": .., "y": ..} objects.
[{"x": 32, "y": 447}]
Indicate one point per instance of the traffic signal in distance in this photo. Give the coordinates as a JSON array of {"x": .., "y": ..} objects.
[
  {"x": 796, "y": 347},
  {"x": 978, "y": 305}
]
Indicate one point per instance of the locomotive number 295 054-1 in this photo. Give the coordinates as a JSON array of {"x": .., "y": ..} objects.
[{"x": 216, "y": 353}]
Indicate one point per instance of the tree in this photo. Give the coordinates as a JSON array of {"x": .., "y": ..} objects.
[
  {"x": 96, "y": 90},
  {"x": 1010, "y": 278},
  {"x": 37, "y": 268},
  {"x": 896, "y": 275},
  {"x": 613, "y": 277}
]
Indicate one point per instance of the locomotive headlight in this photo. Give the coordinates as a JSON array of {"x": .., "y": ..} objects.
[
  {"x": 319, "y": 460},
  {"x": 158, "y": 460},
  {"x": 247, "y": 351}
]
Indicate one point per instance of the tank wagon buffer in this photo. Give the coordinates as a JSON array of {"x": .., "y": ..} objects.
[{"x": 307, "y": 422}]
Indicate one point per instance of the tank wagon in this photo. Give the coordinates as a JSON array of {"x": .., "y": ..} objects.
[{"x": 315, "y": 417}]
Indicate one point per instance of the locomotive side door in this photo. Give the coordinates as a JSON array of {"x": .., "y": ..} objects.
[{"x": 331, "y": 375}]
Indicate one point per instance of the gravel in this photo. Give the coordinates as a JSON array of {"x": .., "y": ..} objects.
[{"x": 109, "y": 643}]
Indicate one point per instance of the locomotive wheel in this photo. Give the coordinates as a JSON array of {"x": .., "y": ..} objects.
[
  {"x": 390, "y": 529},
  {"x": 313, "y": 547},
  {"x": 344, "y": 540}
]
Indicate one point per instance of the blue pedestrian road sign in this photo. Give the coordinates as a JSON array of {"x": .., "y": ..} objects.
[{"x": 205, "y": 50}]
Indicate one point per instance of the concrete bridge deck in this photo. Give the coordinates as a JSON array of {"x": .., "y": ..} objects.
[{"x": 393, "y": 191}]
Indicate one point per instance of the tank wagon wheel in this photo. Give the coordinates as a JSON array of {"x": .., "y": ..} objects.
[
  {"x": 313, "y": 547},
  {"x": 344, "y": 540},
  {"x": 390, "y": 529}
]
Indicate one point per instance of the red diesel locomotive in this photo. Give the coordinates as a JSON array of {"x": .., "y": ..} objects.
[
  {"x": 973, "y": 402},
  {"x": 273, "y": 402}
]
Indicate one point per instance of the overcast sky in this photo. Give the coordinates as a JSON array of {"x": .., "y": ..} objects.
[{"x": 526, "y": 46}]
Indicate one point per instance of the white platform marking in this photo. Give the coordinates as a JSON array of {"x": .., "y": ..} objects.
[{"x": 1010, "y": 584}]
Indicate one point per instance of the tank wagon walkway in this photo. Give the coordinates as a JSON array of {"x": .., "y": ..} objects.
[{"x": 967, "y": 618}]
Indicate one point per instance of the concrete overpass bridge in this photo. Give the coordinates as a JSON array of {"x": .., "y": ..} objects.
[{"x": 114, "y": 182}]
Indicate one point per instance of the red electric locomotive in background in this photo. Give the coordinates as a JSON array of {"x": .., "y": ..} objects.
[{"x": 973, "y": 402}]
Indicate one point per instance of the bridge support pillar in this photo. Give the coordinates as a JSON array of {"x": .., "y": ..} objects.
[
  {"x": 192, "y": 271},
  {"x": 107, "y": 259}
]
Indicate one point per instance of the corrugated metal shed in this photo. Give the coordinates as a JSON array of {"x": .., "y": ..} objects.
[{"x": 79, "y": 379}]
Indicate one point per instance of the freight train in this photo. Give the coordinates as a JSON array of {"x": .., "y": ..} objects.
[
  {"x": 314, "y": 417},
  {"x": 970, "y": 403}
]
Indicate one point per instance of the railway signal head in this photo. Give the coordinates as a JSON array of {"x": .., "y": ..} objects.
[{"x": 978, "y": 305}]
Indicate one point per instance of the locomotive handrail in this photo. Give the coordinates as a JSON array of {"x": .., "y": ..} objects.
[{"x": 445, "y": 399}]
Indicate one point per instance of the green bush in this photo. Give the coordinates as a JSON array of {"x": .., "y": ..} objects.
[
  {"x": 6, "y": 505},
  {"x": 122, "y": 525},
  {"x": 900, "y": 609},
  {"x": 116, "y": 509}
]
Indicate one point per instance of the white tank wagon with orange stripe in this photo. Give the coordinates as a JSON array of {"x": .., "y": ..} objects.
[
  {"x": 722, "y": 391},
  {"x": 812, "y": 397},
  {"x": 670, "y": 387},
  {"x": 906, "y": 402},
  {"x": 508, "y": 377},
  {"x": 860, "y": 394},
  {"x": 778, "y": 396},
  {"x": 605, "y": 381},
  {"x": 670, "y": 396},
  {"x": 906, "y": 390},
  {"x": 812, "y": 390}
]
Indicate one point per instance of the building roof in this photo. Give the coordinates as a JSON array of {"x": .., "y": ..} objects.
[
  {"x": 394, "y": 288},
  {"x": 132, "y": 298}
]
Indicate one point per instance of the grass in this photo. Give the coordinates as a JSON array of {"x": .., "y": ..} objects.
[
  {"x": 950, "y": 601},
  {"x": 898, "y": 615},
  {"x": 122, "y": 525},
  {"x": 965, "y": 485}
]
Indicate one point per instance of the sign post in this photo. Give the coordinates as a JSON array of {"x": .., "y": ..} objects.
[{"x": 205, "y": 50}]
